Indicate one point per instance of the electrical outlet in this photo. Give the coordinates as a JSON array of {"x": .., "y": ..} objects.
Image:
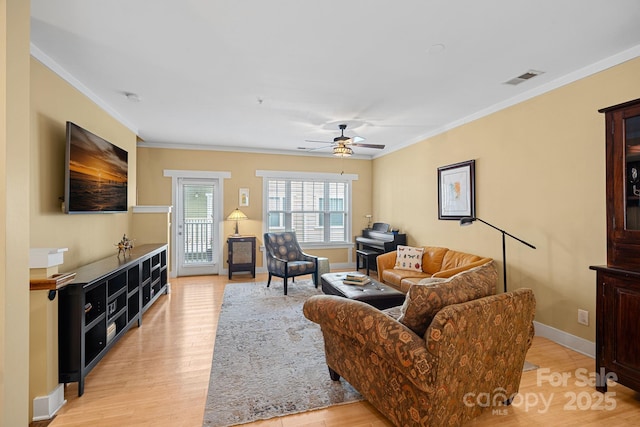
[{"x": 583, "y": 317}]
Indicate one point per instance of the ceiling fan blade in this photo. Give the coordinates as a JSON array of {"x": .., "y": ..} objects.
[
  {"x": 314, "y": 148},
  {"x": 341, "y": 141},
  {"x": 313, "y": 140},
  {"x": 380, "y": 146}
]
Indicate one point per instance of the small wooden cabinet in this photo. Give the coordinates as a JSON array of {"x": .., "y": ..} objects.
[
  {"x": 242, "y": 254},
  {"x": 106, "y": 298},
  {"x": 618, "y": 283},
  {"x": 617, "y": 327}
]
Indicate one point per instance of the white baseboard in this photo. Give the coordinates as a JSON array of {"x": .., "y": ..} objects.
[
  {"x": 45, "y": 407},
  {"x": 578, "y": 344}
]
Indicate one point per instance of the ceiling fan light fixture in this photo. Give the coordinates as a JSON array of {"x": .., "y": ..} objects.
[{"x": 342, "y": 151}]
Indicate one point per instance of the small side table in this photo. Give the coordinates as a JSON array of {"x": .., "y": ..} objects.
[
  {"x": 323, "y": 267},
  {"x": 242, "y": 254}
]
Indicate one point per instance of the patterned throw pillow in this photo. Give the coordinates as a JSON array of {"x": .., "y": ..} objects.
[
  {"x": 423, "y": 302},
  {"x": 409, "y": 258}
]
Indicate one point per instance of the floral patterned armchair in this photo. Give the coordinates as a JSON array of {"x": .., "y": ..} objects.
[
  {"x": 469, "y": 359},
  {"x": 286, "y": 259}
]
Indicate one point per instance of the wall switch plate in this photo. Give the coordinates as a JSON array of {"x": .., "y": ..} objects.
[{"x": 583, "y": 317}]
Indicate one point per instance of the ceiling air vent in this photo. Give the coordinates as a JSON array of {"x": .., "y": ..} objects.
[{"x": 523, "y": 77}]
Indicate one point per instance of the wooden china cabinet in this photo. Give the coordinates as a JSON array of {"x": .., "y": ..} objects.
[{"x": 618, "y": 283}]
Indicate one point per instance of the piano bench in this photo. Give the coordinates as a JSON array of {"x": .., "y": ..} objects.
[{"x": 367, "y": 256}]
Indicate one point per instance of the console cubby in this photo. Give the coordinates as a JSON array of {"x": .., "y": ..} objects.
[
  {"x": 116, "y": 305},
  {"x": 105, "y": 299},
  {"x": 146, "y": 294},
  {"x": 133, "y": 293},
  {"x": 95, "y": 303},
  {"x": 133, "y": 279},
  {"x": 95, "y": 341},
  {"x": 146, "y": 270},
  {"x": 117, "y": 283},
  {"x": 120, "y": 320},
  {"x": 154, "y": 279},
  {"x": 133, "y": 306}
]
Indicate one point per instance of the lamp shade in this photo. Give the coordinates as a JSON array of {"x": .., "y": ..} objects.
[
  {"x": 237, "y": 215},
  {"x": 467, "y": 220}
]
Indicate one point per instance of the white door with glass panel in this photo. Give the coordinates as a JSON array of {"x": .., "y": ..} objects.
[{"x": 197, "y": 227}]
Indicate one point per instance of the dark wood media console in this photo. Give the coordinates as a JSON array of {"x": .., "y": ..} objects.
[{"x": 106, "y": 298}]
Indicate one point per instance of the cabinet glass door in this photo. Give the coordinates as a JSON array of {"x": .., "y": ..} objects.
[{"x": 632, "y": 161}]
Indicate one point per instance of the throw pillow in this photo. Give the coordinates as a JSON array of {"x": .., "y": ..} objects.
[
  {"x": 422, "y": 303},
  {"x": 409, "y": 258}
]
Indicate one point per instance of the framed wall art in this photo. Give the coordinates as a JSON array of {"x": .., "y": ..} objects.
[
  {"x": 456, "y": 190},
  {"x": 244, "y": 197}
]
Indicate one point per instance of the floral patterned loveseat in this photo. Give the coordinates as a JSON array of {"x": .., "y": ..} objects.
[{"x": 439, "y": 362}]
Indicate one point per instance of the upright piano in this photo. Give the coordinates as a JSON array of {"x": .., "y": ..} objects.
[{"x": 375, "y": 241}]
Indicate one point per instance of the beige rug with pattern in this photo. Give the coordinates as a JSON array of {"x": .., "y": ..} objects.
[{"x": 268, "y": 359}]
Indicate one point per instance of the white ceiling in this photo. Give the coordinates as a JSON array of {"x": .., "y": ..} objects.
[{"x": 262, "y": 75}]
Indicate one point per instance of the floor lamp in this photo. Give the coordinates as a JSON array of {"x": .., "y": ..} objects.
[{"x": 468, "y": 220}]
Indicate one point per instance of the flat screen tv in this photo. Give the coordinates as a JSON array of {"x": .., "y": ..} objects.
[{"x": 95, "y": 174}]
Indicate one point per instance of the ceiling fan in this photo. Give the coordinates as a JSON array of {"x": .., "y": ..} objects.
[{"x": 342, "y": 144}]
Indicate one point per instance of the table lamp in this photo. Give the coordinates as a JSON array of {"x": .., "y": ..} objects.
[{"x": 237, "y": 215}]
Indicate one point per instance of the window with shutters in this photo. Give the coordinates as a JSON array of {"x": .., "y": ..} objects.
[{"x": 315, "y": 206}]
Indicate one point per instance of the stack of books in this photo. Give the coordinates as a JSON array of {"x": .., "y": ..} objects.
[{"x": 356, "y": 279}]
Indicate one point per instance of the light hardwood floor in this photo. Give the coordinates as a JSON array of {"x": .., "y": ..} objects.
[{"x": 158, "y": 375}]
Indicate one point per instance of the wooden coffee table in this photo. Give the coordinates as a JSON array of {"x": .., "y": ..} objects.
[{"x": 373, "y": 293}]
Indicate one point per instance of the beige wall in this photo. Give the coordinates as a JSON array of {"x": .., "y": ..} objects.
[
  {"x": 155, "y": 189},
  {"x": 540, "y": 175},
  {"x": 88, "y": 236},
  {"x": 14, "y": 213}
]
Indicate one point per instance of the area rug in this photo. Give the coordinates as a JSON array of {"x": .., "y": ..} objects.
[{"x": 268, "y": 359}]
